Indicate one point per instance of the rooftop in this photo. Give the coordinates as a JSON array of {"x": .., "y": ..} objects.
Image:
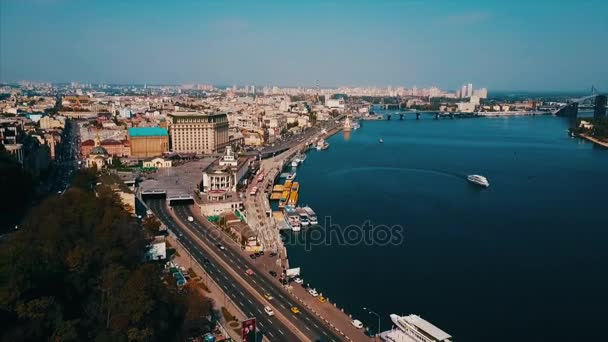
[{"x": 147, "y": 132}]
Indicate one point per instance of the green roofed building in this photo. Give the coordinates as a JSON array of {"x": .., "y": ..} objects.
[{"x": 147, "y": 142}]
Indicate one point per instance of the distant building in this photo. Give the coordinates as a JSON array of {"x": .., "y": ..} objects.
[
  {"x": 466, "y": 107},
  {"x": 158, "y": 163},
  {"x": 147, "y": 142},
  {"x": 224, "y": 174},
  {"x": 125, "y": 113},
  {"x": 117, "y": 148},
  {"x": 49, "y": 122},
  {"x": 99, "y": 158},
  {"x": 198, "y": 132},
  {"x": 482, "y": 93},
  {"x": 335, "y": 103},
  {"x": 469, "y": 90},
  {"x": 585, "y": 124},
  {"x": 15, "y": 150}
]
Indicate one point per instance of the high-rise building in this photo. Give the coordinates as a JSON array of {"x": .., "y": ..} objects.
[
  {"x": 196, "y": 132},
  {"x": 463, "y": 91},
  {"x": 469, "y": 90},
  {"x": 482, "y": 93}
]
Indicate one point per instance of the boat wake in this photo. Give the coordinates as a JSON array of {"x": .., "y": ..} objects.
[{"x": 343, "y": 172}]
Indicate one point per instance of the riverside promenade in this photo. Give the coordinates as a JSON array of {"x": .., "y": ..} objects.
[
  {"x": 594, "y": 140},
  {"x": 258, "y": 209}
]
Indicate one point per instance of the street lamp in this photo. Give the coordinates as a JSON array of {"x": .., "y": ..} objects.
[{"x": 378, "y": 316}]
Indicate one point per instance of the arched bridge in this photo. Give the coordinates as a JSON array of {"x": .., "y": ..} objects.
[{"x": 599, "y": 104}]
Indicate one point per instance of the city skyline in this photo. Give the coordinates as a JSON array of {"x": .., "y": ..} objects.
[{"x": 498, "y": 45}]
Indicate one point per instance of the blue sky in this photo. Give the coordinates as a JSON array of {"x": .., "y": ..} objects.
[{"x": 503, "y": 45}]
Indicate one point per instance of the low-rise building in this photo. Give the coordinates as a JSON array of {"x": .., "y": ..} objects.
[
  {"x": 217, "y": 202},
  {"x": 466, "y": 107},
  {"x": 226, "y": 173},
  {"x": 146, "y": 142},
  {"x": 158, "y": 163}
]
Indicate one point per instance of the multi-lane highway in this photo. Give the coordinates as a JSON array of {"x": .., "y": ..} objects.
[
  {"x": 250, "y": 305},
  {"x": 247, "y": 291}
]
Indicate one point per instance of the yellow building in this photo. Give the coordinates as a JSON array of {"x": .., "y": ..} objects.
[
  {"x": 194, "y": 132},
  {"x": 147, "y": 142}
]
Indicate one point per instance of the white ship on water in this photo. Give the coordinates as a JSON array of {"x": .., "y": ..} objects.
[
  {"x": 479, "y": 180},
  {"x": 413, "y": 328}
]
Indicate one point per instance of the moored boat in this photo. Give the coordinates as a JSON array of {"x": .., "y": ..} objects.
[
  {"x": 322, "y": 145},
  {"x": 312, "y": 216}
]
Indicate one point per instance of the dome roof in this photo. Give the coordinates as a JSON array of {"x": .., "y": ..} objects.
[{"x": 98, "y": 150}]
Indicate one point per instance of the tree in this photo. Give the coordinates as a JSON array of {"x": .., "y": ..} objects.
[
  {"x": 152, "y": 225},
  {"x": 74, "y": 272}
]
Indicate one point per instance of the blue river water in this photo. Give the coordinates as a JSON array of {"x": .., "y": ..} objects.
[{"x": 524, "y": 260}]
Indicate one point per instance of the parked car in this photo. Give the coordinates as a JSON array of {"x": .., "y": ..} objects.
[
  {"x": 298, "y": 280},
  {"x": 268, "y": 296},
  {"x": 190, "y": 219},
  {"x": 357, "y": 323},
  {"x": 261, "y": 252},
  {"x": 313, "y": 292},
  {"x": 268, "y": 310},
  {"x": 322, "y": 299},
  {"x": 273, "y": 273},
  {"x": 273, "y": 254},
  {"x": 252, "y": 256}
]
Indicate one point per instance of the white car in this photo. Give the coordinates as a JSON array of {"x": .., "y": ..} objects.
[
  {"x": 190, "y": 218},
  {"x": 298, "y": 280},
  {"x": 357, "y": 323},
  {"x": 313, "y": 292},
  {"x": 268, "y": 310}
]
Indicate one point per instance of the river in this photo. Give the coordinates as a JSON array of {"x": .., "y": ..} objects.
[{"x": 524, "y": 260}]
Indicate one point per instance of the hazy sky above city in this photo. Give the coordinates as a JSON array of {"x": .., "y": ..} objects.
[{"x": 502, "y": 45}]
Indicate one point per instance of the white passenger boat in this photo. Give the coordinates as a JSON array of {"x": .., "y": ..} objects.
[
  {"x": 479, "y": 180},
  {"x": 291, "y": 176},
  {"x": 322, "y": 145},
  {"x": 293, "y": 219},
  {"x": 304, "y": 219},
  {"x": 312, "y": 216},
  {"x": 415, "y": 328},
  {"x": 300, "y": 157}
]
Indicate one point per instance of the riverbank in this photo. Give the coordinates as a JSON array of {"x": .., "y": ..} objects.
[{"x": 594, "y": 140}]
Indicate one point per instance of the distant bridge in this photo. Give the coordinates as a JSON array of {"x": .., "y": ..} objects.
[{"x": 571, "y": 109}]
